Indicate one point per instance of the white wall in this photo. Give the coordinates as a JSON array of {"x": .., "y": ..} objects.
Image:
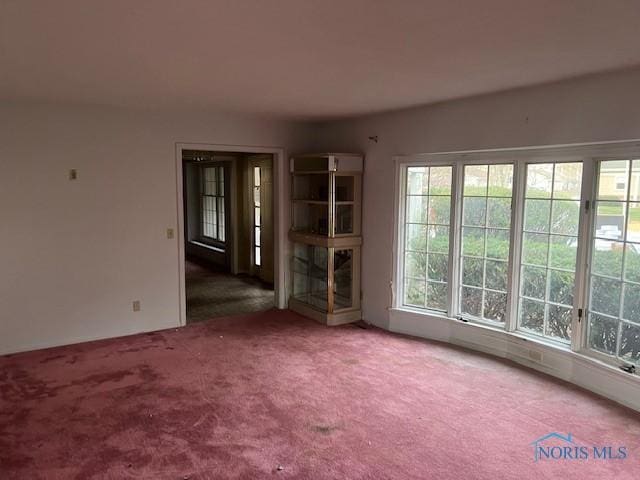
[
  {"x": 75, "y": 254},
  {"x": 598, "y": 108}
]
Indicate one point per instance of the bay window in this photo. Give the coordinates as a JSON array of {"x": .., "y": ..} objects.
[{"x": 546, "y": 245}]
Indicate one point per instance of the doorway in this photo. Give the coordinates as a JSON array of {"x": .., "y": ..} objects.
[{"x": 228, "y": 235}]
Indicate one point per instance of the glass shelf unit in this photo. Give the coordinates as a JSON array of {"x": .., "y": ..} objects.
[{"x": 326, "y": 195}]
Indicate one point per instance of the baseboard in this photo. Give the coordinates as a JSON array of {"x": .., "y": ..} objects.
[{"x": 581, "y": 370}]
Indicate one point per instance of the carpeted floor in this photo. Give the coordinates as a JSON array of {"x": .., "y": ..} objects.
[
  {"x": 274, "y": 395},
  {"x": 212, "y": 293}
]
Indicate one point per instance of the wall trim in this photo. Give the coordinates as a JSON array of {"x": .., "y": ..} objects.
[{"x": 573, "y": 367}]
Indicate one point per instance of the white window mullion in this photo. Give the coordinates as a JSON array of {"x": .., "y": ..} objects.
[
  {"x": 517, "y": 215},
  {"x": 455, "y": 240},
  {"x": 579, "y": 326}
]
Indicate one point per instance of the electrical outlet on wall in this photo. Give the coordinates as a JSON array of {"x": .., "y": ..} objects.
[
  {"x": 136, "y": 305},
  {"x": 73, "y": 174},
  {"x": 170, "y": 233}
]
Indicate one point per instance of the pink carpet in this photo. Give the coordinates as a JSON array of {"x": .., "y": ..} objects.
[{"x": 274, "y": 395}]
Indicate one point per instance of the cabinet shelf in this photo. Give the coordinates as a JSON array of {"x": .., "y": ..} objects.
[{"x": 325, "y": 231}]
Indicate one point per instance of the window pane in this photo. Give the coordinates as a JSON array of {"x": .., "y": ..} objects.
[
  {"x": 440, "y": 181},
  {"x": 561, "y": 287},
  {"x": 559, "y": 325},
  {"x": 428, "y": 212},
  {"x": 567, "y": 181},
  {"x": 472, "y": 271},
  {"x": 415, "y": 265},
  {"x": 532, "y": 315},
  {"x": 416, "y": 237},
  {"x": 474, "y": 211},
  {"x": 439, "y": 210},
  {"x": 565, "y": 217},
  {"x": 539, "y": 180},
  {"x": 630, "y": 343},
  {"x": 475, "y": 180},
  {"x": 414, "y": 291},
  {"x": 605, "y": 296},
  {"x": 603, "y": 333},
  {"x": 610, "y": 220},
  {"x": 607, "y": 259},
  {"x": 563, "y": 252},
  {"x": 534, "y": 282},
  {"x": 496, "y": 275},
  {"x": 437, "y": 295},
  {"x": 473, "y": 241},
  {"x": 438, "y": 267},
  {"x": 632, "y": 262},
  {"x": 498, "y": 243},
  {"x": 471, "y": 301},
  {"x": 499, "y": 212},
  {"x": 613, "y": 180},
  {"x": 438, "y": 241},
  {"x": 495, "y": 306},
  {"x": 631, "y": 309},
  {"x": 535, "y": 249},
  {"x": 500, "y": 181},
  {"x": 417, "y": 181},
  {"x": 417, "y": 208},
  {"x": 537, "y": 215}
]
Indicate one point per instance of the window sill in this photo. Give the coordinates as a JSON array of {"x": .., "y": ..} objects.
[
  {"x": 207, "y": 246},
  {"x": 472, "y": 323}
]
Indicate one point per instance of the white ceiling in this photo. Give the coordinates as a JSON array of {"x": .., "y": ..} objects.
[{"x": 303, "y": 58}]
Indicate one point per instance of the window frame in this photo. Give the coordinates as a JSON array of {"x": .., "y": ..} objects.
[
  {"x": 583, "y": 346},
  {"x": 588, "y": 154},
  {"x": 221, "y": 172},
  {"x": 457, "y": 254}
]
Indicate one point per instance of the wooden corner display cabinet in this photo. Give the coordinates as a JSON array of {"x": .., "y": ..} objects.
[{"x": 326, "y": 221}]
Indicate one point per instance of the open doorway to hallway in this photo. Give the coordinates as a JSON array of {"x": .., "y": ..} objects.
[{"x": 228, "y": 233}]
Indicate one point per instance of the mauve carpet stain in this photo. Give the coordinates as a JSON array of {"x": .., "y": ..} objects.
[{"x": 274, "y": 395}]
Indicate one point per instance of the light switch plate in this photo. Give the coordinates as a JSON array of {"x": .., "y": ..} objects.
[
  {"x": 170, "y": 233},
  {"x": 136, "y": 305},
  {"x": 73, "y": 174}
]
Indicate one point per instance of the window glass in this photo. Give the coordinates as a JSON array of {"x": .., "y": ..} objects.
[
  {"x": 486, "y": 225},
  {"x": 549, "y": 249},
  {"x": 427, "y": 225},
  {"x": 212, "y": 203},
  {"x": 614, "y": 282}
]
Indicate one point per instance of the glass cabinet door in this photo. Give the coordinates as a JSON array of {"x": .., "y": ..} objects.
[
  {"x": 310, "y": 281},
  {"x": 344, "y": 204},
  {"x": 310, "y": 192},
  {"x": 342, "y": 279}
]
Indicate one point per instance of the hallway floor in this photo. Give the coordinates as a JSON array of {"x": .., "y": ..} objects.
[
  {"x": 275, "y": 395},
  {"x": 212, "y": 293}
]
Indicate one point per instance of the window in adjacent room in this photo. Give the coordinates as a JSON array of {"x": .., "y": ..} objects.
[{"x": 212, "y": 203}]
